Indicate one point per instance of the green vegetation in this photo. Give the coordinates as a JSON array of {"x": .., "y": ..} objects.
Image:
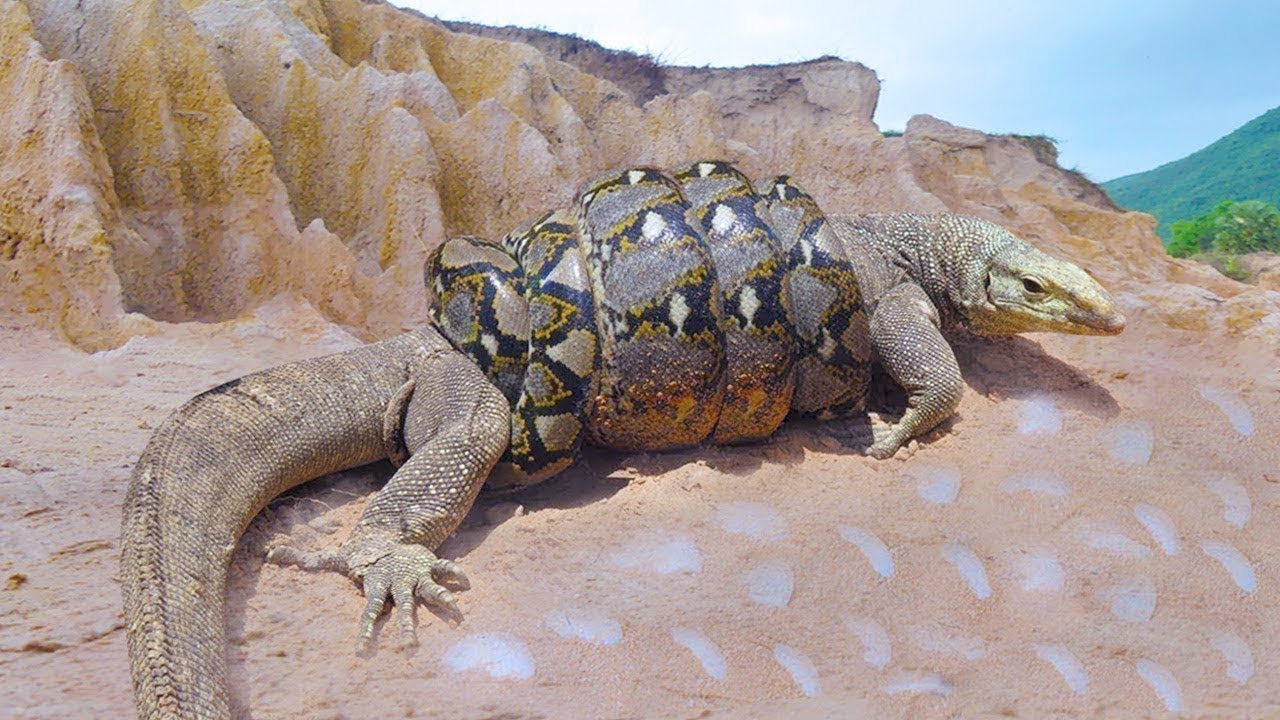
[
  {"x": 1245, "y": 163},
  {"x": 891, "y": 133},
  {"x": 1231, "y": 228},
  {"x": 1227, "y": 231}
]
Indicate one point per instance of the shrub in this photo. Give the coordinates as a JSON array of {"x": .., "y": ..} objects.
[{"x": 1231, "y": 228}]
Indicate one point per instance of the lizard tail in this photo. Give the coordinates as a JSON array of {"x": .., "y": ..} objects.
[
  {"x": 174, "y": 568},
  {"x": 210, "y": 467}
]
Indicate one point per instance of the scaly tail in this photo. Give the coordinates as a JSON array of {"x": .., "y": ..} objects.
[{"x": 208, "y": 470}]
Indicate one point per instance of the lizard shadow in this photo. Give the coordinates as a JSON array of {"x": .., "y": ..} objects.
[
  {"x": 600, "y": 474},
  {"x": 1018, "y": 367},
  {"x": 995, "y": 367},
  {"x": 1011, "y": 367},
  {"x": 1008, "y": 367}
]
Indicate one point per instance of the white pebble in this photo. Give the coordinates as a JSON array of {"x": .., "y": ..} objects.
[
  {"x": 938, "y": 485},
  {"x": 703, "y": 649},
  {"x": 1041, "y": 570},
  {"x": 801, "y": 669},
  {"x": 1131, "y": 443},
  {"x": 1132, "y": 600},
  {"x": 1236, "y": 508},
  {"x": 770, "y": 584},
  {"x": 758, "y": 522},
  {"x": 499, "y": 654},
  {"x": 1237, "y": 654},
  {"x": 672, "y": 555},
  {"x": 877, "y": 650},
  {"x": 1160, "y": 525},
  {"x": 1235, "y": 563},
  {"x": 1163, "y": 682},
  {"x": 970, "y": 567},
  {"x": 1040, "y": 483},
  {"x": 873, "y": 547},
  {"x": 1039, "y": 415},
  {"x": 593, "y": 626},
  {"x": 915, "y": 683},
  {"x": 1067, "y": 665},
  {"x": 1239, "y": 416}
]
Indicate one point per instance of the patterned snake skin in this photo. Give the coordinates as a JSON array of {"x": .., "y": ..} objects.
[{"x": 660, "y": 312}]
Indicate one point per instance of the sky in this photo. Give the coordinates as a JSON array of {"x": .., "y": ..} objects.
[{"x": 1123, "y": 86}]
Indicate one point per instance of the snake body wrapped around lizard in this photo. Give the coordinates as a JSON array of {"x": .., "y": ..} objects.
[{"x": 660, "y": 312}]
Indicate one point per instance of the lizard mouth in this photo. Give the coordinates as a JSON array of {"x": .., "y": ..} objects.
[
  {"x": 1095, "y": 314},
  {"x": 1081, "y": 320},
  {"x": 1092, "y": 324},
  {"x": 1111, "y": 324}
]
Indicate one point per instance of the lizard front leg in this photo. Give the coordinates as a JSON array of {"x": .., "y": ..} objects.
[
  {"x": 455, "y": 427},
  {"x": 905, "y": 332}
]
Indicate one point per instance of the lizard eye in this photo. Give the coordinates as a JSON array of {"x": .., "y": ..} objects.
[{"x": 1032, "y": 286}]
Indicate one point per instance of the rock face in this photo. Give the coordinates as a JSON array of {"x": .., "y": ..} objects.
[
  {"x": 59, "y": 216},
  {"x": 193, "y": 190}
]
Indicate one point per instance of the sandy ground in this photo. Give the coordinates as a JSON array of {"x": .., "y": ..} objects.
[{"x": 1093, "y": 535}]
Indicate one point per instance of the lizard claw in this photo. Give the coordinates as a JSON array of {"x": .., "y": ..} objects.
[
  {"x": 286, "y": 555},
  {"x": 872, "y": 433},
  {"x": 886, "y": 438},
  {"x": 387, "y": 570},
  {"x": 448, "y": 570}
]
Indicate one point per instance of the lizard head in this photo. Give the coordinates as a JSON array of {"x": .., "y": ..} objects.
[{"x": 1029, "y": 291}]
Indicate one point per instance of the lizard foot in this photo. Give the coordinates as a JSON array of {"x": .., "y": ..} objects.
[
  {"x": 874, "y": 435},
  {"x": 388, "y": 570},
  {"x": 887, "y": 438}
]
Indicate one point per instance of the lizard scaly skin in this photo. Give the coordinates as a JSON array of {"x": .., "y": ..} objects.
[{"x": 217, "y": 460}]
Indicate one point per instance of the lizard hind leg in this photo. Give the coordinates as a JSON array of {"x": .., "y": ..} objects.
[{"x": 456, "y": 426}]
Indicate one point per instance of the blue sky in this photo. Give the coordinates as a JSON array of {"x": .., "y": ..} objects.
[{"x": 1123, "y": 86}]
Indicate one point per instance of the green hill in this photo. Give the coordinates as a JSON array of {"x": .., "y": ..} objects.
[{"x": 1244, "y": 165}]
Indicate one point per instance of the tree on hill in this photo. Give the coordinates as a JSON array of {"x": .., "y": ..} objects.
[
  {"x": 1242, "y": 164},
  {"x": 1231, "y": 228}
]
